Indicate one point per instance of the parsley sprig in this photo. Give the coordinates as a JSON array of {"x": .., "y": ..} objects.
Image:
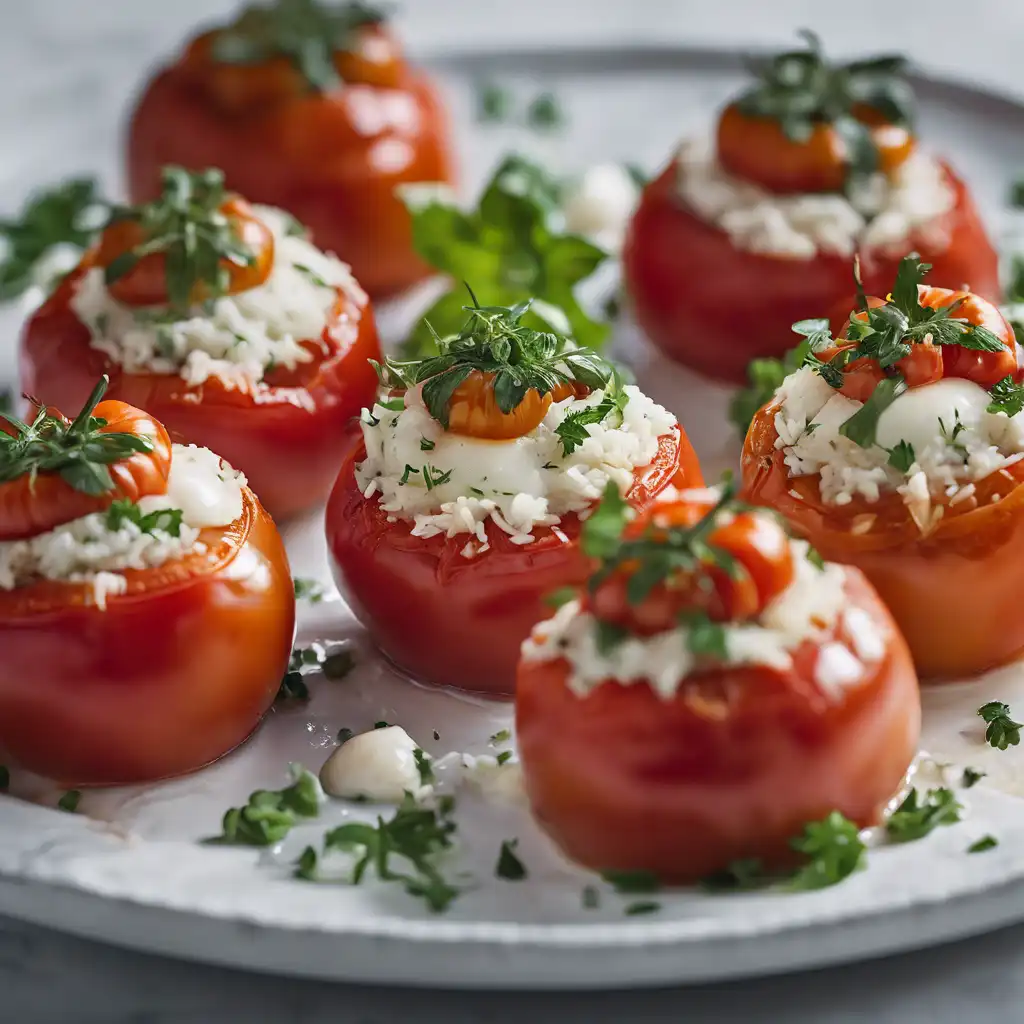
[
  {"x": 78, "y": 451},
  {"x": 801, "y": 90},
  {"x": 404, "y": 849},
  {"x": 164, "y": 520},
  {"x": 509, "y": 249},
  {"x": 572, "y": 431},
  {"x": 1002, "y": 731},
  {"x": 918, "y": 816},
  {"x": 764, "y": 377},
  {"x": 307, "y": 32},
  {"x": 495, "y": 341},
  {"x": 270, "y": 814},
  {"x": 187, "y": 226}
]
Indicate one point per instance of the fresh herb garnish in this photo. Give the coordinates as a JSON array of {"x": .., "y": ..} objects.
[
  {"x": 426, "y": 445},
  {"x": 765, "y": 376},
  {"x": 572, "y": 431},
  {"x": 271, "y": 814},
  {"x": 495, "y": 341},
  {"x": 60, "y": 216},
  {"x": 1007, "y": 396},
  {"x": 306, "y": 32},
  {"x": 416, "y": 835},
  {"x": 800, "y": 91},
  {"x": 166, "y": 520},
  {"x": 80, "y": 452},
  {"x": 423, "y": 766},
  {"x": 196, "y": 238},
  {"x": 338, "y": 664},
  {"x": 738, "y": 876},
  {"x": 561, "y": 596},
  {"x": 902, "y": 456},
  {"x": 344, "y": 735},
  {"x": 509, "y": 866},
  {"x": 504, "y": 757},
  {"x": 642, "y": 907},
  {"x": 633, "y": 883},
  {"x": 507, "y": 250},
  {"x": 493, "y": 103},
  {"x": 862, "y": 427},
  {"x": 971, "y": 777},
  {"x": 382, "y": 724},
  {"x": 1002, "y": 731},
  {"x": 834, "y": 850},
  {"x": 705, "y": 638},
  {"x": 916, "y": 817},
  {"x": 293, "y": 685},
  {"x": 501, "y": 736},
  {"x": 308, "y": 589},
  {"x": 545, "y": 112},
  {"x": 983, "y": 844},
  {"x": 70, "y": 800}
]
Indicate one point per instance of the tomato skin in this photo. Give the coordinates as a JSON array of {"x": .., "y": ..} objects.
[
  {"x": 473, "y": 409},
  {"x": 954, "y": 593},
  {"x": 455, "y": 621},
  {"x": 285, "y": 439},
  {"x": 730, "y": 768},
  {"x": 116, "y": 697},
  {"x": 28, "y": 506},
  {"x": 332, "y": 159},
  {"x": 714, "y": 307}
]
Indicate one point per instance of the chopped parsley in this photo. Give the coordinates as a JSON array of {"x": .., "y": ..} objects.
[
  {"x": 313, "y": 276},
  {"x": 642, "y": 907},
  {"x": 165, "y": 520},
  {"x": 504, "y": 757},
  {"x": 971, "y": 777},
  {"x": 1007, "y": 397},
  {"x": 495, "y": 341},
  {"x": 270, "y": 814},
  {"x": 561, "y": 596},
  {"x": 834, "y": 851},
  {"x": 862, "y": 427},
  {"x": 916, "y": 817},
  {"x": 705, "y": 638},
  {"x": 493, "y": 103},
  {"x": 337, "y": 665},
  {"x": 984, "y": 843},
  {"x": 501, "y": 736},
  {"x": 344, "y": 735},
  {"x": 426, "y": 445},
  {"x": 382, "y": 724},
  {"x": 545, "y": 113},
  {"x": 70, "y": 800},
  {"x": 423, "y": 766},
  {"x": 740, "y": 875},
  {"x": 633, "y": 883},
  {"x": 572, "y": 431},
  {"x": 308, "y": 590},
  {"x": 509, "y": 866},
  {"x": 764, "y": 377},
  {"x": 1002, "y": 731},
  {"x": 902, "y": 456},
  {"x": 293, "y": 684}
]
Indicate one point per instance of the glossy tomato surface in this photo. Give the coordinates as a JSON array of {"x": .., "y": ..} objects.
[
  {"x": 332, "y": 159},
  {"x": 732, "y": 767},
  {"x": 714, "y": 307},
  {"x": 456, "y": 621},
  {"x": 954, "y": 591},
  {"x": 285, "y": 439},
  {"x": 170, "y": 676}
]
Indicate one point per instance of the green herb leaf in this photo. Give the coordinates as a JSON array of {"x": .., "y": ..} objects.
[
  {"x": 337, "y": 665},
  {"x": 164, "y": 520},
  {"x": 271, "y": 814},
  {"x": 602, "y": 531},
  {"x": 765, "y": 377},
  {"x": 633, "y": 882},
  {"x": 509, "y": 866},
  {"x": 308, "y": 590},
  {"x": 545, "y": 112},
  {"x": 493, "y": 103},
  {"x": 293, "y": 685},
  {"x": 561, "y": 596},
  {"x": 983, "y": 844},
  {"x": 861, "y": 428},
  {"x": 971, "y": 777},
  {"x": 917, "y": 817},
  {"x": 423, "y": 767},
  {"x": 502, "y": 736},
  {"x": 902, "y": 456},
  {"x": 1007, "y": 396},
  {"x": 738, "y": 876},
  {"x": 834, "y": 850},
  {"x": 642, "y": 907},
  {"x": 70, "y": 800},
  {"x": 1002, "y": 731},
  {"x": 572, "y": 431},
  {"x": 705, "y": 638}
]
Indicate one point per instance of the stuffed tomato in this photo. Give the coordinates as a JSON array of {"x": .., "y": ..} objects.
[
  {"x": 146, "y": 605},
  {"x": 735, "y": 241},
  {"x": 714, "y": 689},
  {"x": 458, "y": 507},
  {"x": 899, "y": 451},
  {"x": 307, "y": 105},
  {"x": 252, "y": 342}
]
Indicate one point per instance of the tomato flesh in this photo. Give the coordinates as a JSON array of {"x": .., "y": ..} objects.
[
  {"x": 456, "y": 621},
  {"x": 285, "y": 438},
  {"x": 730, "y": 768},
  {"x": 332, "y": 159},
  {"x": 115, "y": 695},
  {"x": 714, "y": 307}
]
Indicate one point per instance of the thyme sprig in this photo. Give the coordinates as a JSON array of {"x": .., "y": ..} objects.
[
  {"x": 307, "y": 32},
  {"x": 494, "y": 341},
  {"x": 79, "y": 452},
  {"x": 187, "y": 226},
  {"x": 800, "y": 89}
]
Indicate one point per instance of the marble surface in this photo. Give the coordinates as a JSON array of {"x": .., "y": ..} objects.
[{"x": 68, "y": 66}]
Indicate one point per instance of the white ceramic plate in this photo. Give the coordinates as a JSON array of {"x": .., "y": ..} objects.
[{"x": 129, "y": 869}]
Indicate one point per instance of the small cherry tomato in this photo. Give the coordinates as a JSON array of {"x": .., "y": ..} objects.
[
  {"x": 474, "y": 411},
  {"x": 730, "y": 768},
  {"x": 114, "y": 696},
  {"x": 285, "y": 437},
  {"x": 714, "y": 307},
  {"x": 451, "y": 620}
]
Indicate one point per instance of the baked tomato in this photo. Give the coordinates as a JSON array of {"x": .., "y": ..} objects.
[
  {"x": 115, "y": 696},
  {"x": 943, "y": 553},
  {"x": 320, "y": 116},
  {"x": 282, "y": 430},
  {"x": 682, "y": 764}
]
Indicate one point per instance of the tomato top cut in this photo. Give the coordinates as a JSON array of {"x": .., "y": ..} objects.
[{"x": 54, "y": 470}]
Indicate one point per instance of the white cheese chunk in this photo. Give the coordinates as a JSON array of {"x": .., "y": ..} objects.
[
  {"x": 379, "y": 766},
  {"x": 599, "y": 204}
]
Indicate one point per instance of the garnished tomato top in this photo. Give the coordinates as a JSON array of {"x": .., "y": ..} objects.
[
  {"x": 496, "y": 379},
  {"x": 701, "y": 560},
  {"x": 292, "y": 48},
  {"x": 811, "y": 126},
  {"x": 54, "y": 470},
  {"x": 194, "y": 243}
]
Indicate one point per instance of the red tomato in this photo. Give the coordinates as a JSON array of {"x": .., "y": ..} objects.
[
  {"x": 714, "y": 307},
  {"x": 285, "y": 438},
  {"x": 456, "y": 621},
  {"x": 332, "y": 159},
  {"x": 31, "y": 505},
  {"x": 732, "y": 767},
  {"x": 954, "y": 592},
  {"x": 93, "y": 697}
]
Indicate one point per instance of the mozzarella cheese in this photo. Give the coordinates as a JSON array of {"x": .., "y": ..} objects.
[
  {"x": 379, "y": 766},
  {"x": 599, "y": 205},
  {"x": 242, "y": 335},
  {"x": 881, "y": 216},
  {"x": 956, "y": 441},
  {"x": 86, "y": 550},
  {"x": 810, "y": 609},
  {"x": 448, "y": 484}
]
